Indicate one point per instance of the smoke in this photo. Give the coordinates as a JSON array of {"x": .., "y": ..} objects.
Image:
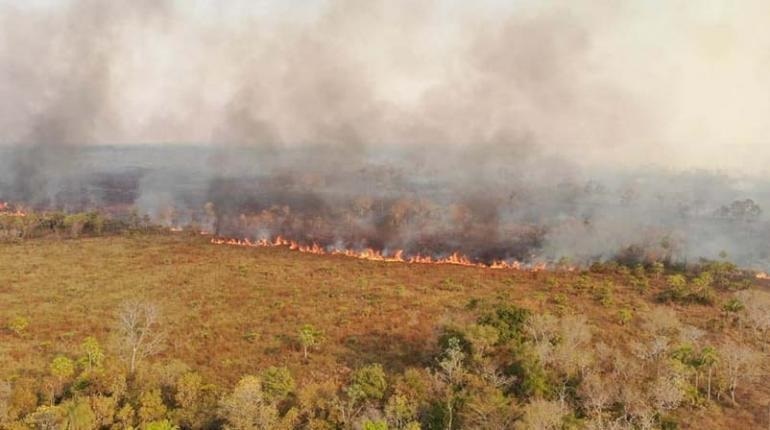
[
  {"x": 58, "y": 87},
  {"x": 525, "y": 130},
  {"x": 634, "y": 83}
]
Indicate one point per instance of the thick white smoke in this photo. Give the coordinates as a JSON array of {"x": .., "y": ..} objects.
[{"x": 679, "y": 84}]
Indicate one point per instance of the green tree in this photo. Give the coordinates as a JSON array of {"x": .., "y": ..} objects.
[
  {"x": 79, "y": 415},
  {"x": 709, "y": 358},
  {"x": 126, "y": 416},
  {"x": 92, "y": 353},
  {"x": 530, "y": 374},
  {"x": 160, "y": 425},
  {"x": 482, "y": 338},
  {"x": 196, "y": 401},
  {"x": 509, "y": 322},
  {"x": 277, "y": 383},
  {"x": 188, "y": 390},
  {"x": 104, "y": 408},
  {"x": 309, "y": 337},
  {"x": 62, "y": 368},
  {"x": 151, "y": 406},
  {"x": 368, "y": 383},
  {"x": 400, "y": 411}
]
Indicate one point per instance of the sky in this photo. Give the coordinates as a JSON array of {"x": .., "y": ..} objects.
[{"x": 677, "y": 84}]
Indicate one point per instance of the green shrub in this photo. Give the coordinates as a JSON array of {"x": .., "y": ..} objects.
[
  {"x": 18, "y": 325},
  {"x": 368, "y": 383},
  {"x": 277, "y": 383},
  {"x": 509, "y": 322},
  {"x": 375, "y": 425},
  {"x": 625, "y": 315},
  {"x": 604, "y": 295},
  {"x": 160, "y": 425},
  {"x": 532, "y": 380}
]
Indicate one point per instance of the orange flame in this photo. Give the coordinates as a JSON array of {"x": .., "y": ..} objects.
[
  {"x": 5, "y": 210},
  {"x": 763, "y": 276},
  {"x": 397, "y": 256}
]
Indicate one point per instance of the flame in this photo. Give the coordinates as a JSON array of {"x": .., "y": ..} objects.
[
  {"x": 5, "y": 210},
  {"x": 763, "y": 276},
  {"x": 397, "y": 256}
]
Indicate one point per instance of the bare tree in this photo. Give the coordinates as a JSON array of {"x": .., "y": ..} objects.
[
  {"x": 662, "y": 321},
  {"x": 138, "y": 332},
  {"x": 573, "y": 353},
  {"x": 757, "y": 306},
  {"x": 736, "y": 363},
  {"x": 667, "y": 393},
  {"x": 542, "y": 327},
  {"x": 597, "y": 394},
  {"x": 246, "y": 407},
  {"x": 543, "y": 415}
]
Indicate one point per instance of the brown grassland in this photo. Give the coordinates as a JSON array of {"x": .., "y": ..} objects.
[{"x": 233, "y": 311}]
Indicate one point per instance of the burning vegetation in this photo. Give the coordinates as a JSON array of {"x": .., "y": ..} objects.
[
  {"x": 370, "y": 254},
  {"x": 406, "y": 205},
  {"x": 289, "y": 214}
]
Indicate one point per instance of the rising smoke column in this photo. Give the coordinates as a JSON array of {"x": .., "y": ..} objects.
[{"x": 441, "y": 125}]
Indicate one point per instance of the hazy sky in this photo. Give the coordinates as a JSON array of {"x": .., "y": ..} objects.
[{"x": 674, "y": 83}]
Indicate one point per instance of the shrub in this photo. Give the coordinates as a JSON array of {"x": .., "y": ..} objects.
[
  {"x": 160, "y": 425},
  {"x": 527, "y": 369},
  {"x": 604, "y": 295},
  {"x": 151, "y": 406},
  {"x": 640, "y": 284},
  {"x": 62, "y": 367},
  {"x": 509, "y": 322},
  {"x": 277, "y": 383},
  {"x": 375, "y": 425},
  {"x": 368, "y": 382},
  {"x": 18, "y": 325},
  {"x": 625, "y": 315},
  {"x": 676, "y": 289}
]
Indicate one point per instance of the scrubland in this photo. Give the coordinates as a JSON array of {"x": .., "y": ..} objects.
[{"x": 232, "y": 337}]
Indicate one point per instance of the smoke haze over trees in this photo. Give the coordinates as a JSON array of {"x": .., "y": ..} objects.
[{"x": 586, "y": 130}]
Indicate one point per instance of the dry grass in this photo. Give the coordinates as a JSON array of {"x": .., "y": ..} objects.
[{"x": 231, "y": 311}]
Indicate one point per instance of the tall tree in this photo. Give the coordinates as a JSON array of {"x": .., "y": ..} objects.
[{"x": 138, "y": 332}]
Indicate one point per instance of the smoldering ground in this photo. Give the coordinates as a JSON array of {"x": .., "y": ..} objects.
[{"x": 527, "y": 131}]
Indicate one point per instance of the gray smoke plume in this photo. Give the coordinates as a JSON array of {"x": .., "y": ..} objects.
[{"x": 528, "y": 131}]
